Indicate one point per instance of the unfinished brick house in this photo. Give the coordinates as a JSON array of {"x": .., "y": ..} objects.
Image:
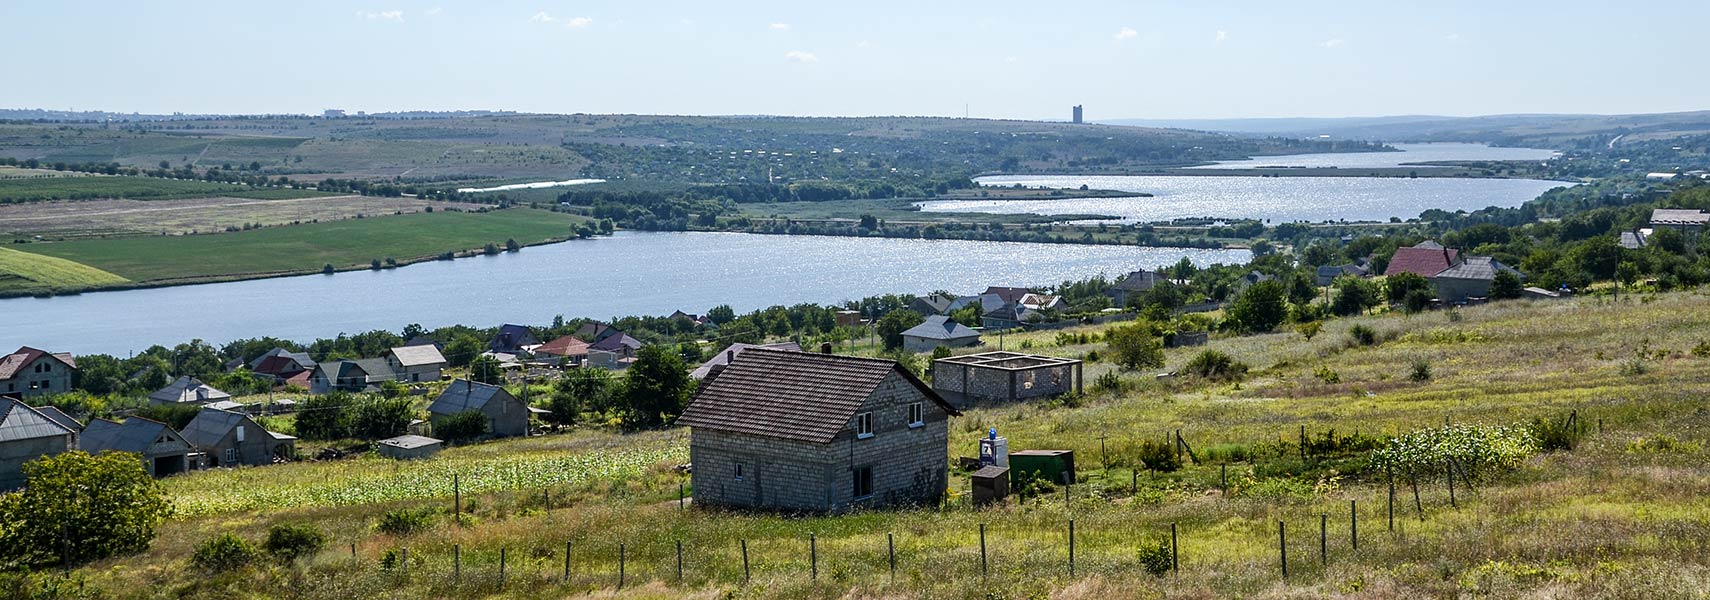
[{"x": 801, "y": 431}]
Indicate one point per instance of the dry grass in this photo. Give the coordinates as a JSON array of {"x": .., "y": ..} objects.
[
  {"x": 1612, "y": 519},
  {"x": 87, "y": 218}
]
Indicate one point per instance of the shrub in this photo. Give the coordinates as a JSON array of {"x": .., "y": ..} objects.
[
  {"x": 116, "y": 510},
  {"x": 1215, "y": 365},
  {"x": 1473, "y": 449},
  {"x": 406, "y": 521},
  {"x": 1324, "y": 374},
  {"x": 1563, "y": 434},
  {"x": 462, "y": 427},
  {"x": 1309, "y": 330},
  {"x": 1159, "y": 456},
  {"x": 224, "y": 552},
  {"x": 1421, "y": 370},
  {"x": 1109, "y": 382},
  {"x": 1362, "y": 335},
  {"x": 1134, "y": 347},
  {"x": 1701, "y": 350},
  {"x": 1155, "y": 557},
  {"x": 290, "y": 542}
]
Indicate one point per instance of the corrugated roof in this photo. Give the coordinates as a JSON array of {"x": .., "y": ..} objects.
[
  {"x": 18, "y": 421},
  {"x": 1679, "y": 216},
  {"x": 723, "y": 358},
  {"x": 939, "y": 327},
  {"x": 416, "y": 356},
  {"x": 617, "y": 343},
  {"x": 792, "y": 395},
  {"x": 464, "y": 395},
  {"x": 188, "y": 389},
  {"x": 211, "y": 425},
  {"x": 136, "y": 434},
  {"x": 59, "y": 416},
  {"x": 1476, "y": 267}
]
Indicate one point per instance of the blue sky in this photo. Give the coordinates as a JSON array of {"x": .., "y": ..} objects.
[{"x": 1207, "y": 59}]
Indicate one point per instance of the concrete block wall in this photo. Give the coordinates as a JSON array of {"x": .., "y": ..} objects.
[{"x": 14, "y": 454}]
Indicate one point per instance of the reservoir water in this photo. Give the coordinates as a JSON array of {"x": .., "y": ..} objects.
[
  {"x": 630, "y": 273},
  {"x": 1410, "y": 155}
]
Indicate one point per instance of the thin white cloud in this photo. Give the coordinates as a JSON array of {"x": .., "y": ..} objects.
[
  {"x": 1333, "y": 43},
  {"x": 801, "y": 57},
  {"x": 434, "y": 12},
  {"x": 779, "y": 26},
  {"x": 1127, "y": 33},
  {"x": 578, "y": 22},
  {"x": 542, "y": 17},
  {"x": 689, "y": 22},
  {"x": 1010, "y": 59},
  {"x": 1453, "y": 37},
  {"x": 395, "y": 16},
  {"x": 863, "y": 44},
  {"x": 1222, "y": 36}
]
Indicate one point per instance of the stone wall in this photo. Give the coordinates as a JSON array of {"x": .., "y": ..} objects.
[{"x": 968, "y": 385}]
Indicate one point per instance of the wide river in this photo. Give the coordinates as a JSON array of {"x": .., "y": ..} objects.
[
  {"x": 1281, "y": 199},
  {"x": 630, "y": 273}
]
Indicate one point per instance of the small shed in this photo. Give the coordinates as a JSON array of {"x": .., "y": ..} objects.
[
  {"x": 991, "y": 484},
  {"x": 1055, "y": 466},
  {"x": 409, "y": 446}
]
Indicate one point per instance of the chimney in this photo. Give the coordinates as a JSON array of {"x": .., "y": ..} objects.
[
  {"x": 729, "y": 355},
  {"x": 825, "y": 348}
]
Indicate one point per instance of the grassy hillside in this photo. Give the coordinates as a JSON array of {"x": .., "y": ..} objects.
[
  {"x": 27, "y": 273},
  {"x": 97, "y": 186},
  {"x": 307, "y": 248},
  {"x": 1624, "y": 515}
]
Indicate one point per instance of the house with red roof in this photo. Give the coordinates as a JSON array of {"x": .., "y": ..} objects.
[
  {"x": 31, "y": 372},
  {"x": 1424, "y": 259}
]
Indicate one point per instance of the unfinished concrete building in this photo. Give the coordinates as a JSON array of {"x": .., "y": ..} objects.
[{"x": 996, "y": 377}]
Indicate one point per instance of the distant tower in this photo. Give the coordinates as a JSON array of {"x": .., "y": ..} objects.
[{"x": 1077, "y": 113}]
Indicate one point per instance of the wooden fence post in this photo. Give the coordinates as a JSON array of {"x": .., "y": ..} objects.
[
  {"x": 1071, "y": 547},
  {"x": 1354, "y": 523},
  {"x": 982, "y": 549},
  {"x": 891, "y": 551},
  {"x": 1392, "y": 501},
  {"x": 1224, "y": 479},
  {"x": 456, "y": 563},
  {"x": 567, "y": 549},
  {"x": 456, "y": 501},
  {"x": 1175, "y": 558},
  {"x": 679, "y": 561},
  {"x": 1282, "y": 547},
  {"x": 404, "y": 561},
  {"x": 745, "y": 573},
  {"x": 1449, "y": 470},
  {"x": 1417, "y": 505},
  {"x": 501, "y": 568},
  {"x": 813, "y": 556},
  {"x": 679, "y": 496},
  {"x": 1324, "y": 539},
  {"x": 622, "y": 563}
]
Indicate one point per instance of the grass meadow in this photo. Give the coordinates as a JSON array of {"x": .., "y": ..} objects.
[
  {"x": 306, "y": 248},
  {"x": 1626, "y": 514}
]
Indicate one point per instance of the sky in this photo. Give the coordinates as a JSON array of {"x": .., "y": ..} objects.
[{"x": 996, "y": 59}]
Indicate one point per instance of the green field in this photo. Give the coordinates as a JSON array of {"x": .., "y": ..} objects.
[
  {"x": 26, "y": 273},
  {"x": 100, "y": 186},
  {"x": 1625, "y": 514},
  {"x": 160, "y": 260}
]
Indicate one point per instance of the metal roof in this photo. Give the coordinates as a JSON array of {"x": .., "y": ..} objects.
[
  {"x": 939, "y": 327},
  {"x": 1476, "y": 268},
  {"x": 211, "y": 425},
  {"x": 799, "y": 396},
  {"x": 464, "y": 396},
  {"x": 59, "y": 416},
  {"x": 415, "y": 356},
  {"x": 18, "y": 421},
  {"x": 136, "y": 434},
  {"x": 188, "y": 389}
]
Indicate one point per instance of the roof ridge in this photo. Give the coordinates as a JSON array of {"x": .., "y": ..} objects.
[{"x": 819, "y": 354}]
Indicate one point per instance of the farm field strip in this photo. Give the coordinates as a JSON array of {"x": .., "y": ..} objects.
[{"x": 88, "y": 218}]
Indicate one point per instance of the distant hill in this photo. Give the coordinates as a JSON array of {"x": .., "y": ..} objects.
[{"x": 1542, "y": 130}]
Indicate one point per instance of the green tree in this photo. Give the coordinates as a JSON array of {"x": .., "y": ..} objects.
[
  {"x": 721, "y": 314},
  {"x": 289, "y": 542},
  {"x": 1133, "y": 346},
  {"x": 891, "y": 326},
  {"x": 462, "y": 350},
  {"x": 1260, "y": 308},
  {"x": 1397, "y": 286},
  {"x": 325, "y": 417},
  {"x": 486, "y": 369},
  {"x": 89, "y": 507},
  {"x": 1354, "y": 296},
  {"x": 1506, "y": 286},
  {"x": 462, "y": 427},
  {"x": 655, "y": 388},
  {"x": 380, "y": 418}
]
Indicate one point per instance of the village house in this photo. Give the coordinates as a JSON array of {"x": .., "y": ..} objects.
[
  {"x": 1134, "y": 285},
  {"x": 350, "y": 375},
  {"x": 567, "y": 348},
  {"x": 801, "y": 431},
  {"x": 31, "y": 372},
  {"x": 987, "y": 303},
  {"x": 1328, "y": 274},
  {"x": 1043, "y": 302},
  {"x": 506, "y": 415},
  {"x": 187, "y": 390},
  {"x": 619, "y": 344},
  {"x": 721, "y": 359},
  {"x": 1470, "y": 279},
  {"x": 513, "y": 339},
  {"x": 1424, "y": 259},
  {"x": 1685, "y": 220},
  {"x": 939, "y": 331},
  {"x": 1634, "y": 240},
  {"x": 162, "y": 451},
  {"x": 931, "y": 304},
  {"x": 415, "y": 363},
  {"x": 1009, "y": 316},
  {"x": 848, "y": 318},
  {"x": 998, "y": 377},
  {"x": 1010, "y": 295},
  {"x": 283, "y": 365},
  {"x": 231, "y": 439},
  {"x": 696, "y": 320},
  {"x": 25, "y": 435},
  {"x": 595, "y": 331}
]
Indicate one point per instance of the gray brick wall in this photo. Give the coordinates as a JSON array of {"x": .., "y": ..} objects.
[
  {"x": 910, "y": 464},
  {"x": 14, "y": 454},
  {"x": 967, "y": 385}
]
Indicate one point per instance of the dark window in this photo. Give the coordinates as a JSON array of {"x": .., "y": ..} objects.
[
  {"x": 916, "y": 413},
  {"x": 864, "y": 425},
  {"x": 863, "y": 482},
  {"x": 739, "y": 471}
]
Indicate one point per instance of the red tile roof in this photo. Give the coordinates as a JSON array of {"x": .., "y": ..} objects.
[
  {"x": 1422, "y": 261},
  {"x": 12, "y": 363},
  {"x": 564, "y": 346}
]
